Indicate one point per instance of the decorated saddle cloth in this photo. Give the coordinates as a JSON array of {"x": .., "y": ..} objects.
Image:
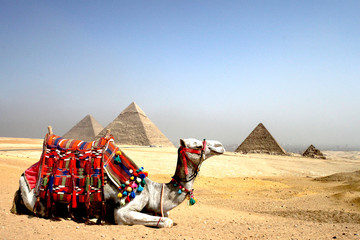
[{"x": 73, "y": 171}]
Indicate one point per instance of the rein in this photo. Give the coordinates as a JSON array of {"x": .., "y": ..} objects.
[{"x": 185, "y": 159}]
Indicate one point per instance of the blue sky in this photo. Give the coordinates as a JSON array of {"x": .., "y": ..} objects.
[{"x": 203, "y": 69}]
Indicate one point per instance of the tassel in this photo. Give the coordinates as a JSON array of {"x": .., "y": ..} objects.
[
  {"x": 51, "y": 181},
  {"x": 99, "y": 183},
  {"x": 179, "y": 192},
  {"x": 122, "y": 202},
  {"x": 87, "y": 184},
  {"x": 127, "y": 199},
  {"x": 74, "y": 200},
  {"x": 45, "y": 182},
  {"x": 140, "y": 188},
  {"x": 192, "y": 201},
  {"x": 132, "y": 195}
]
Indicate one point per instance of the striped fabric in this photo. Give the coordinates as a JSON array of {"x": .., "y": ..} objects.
[{"x": 73, "y": 171}]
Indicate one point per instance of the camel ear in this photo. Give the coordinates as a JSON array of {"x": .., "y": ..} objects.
[{"x": 182, "y": 143}]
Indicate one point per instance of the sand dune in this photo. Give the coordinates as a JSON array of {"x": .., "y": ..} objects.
[{"x": 240, "y": 197}]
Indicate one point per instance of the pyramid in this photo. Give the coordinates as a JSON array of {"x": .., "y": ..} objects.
[
  {"x": 133, "y": 127},
  {"x": 260, "y": 141},
  {"x": 313, "y": 152},
  {"x": 85, "y": 130}
]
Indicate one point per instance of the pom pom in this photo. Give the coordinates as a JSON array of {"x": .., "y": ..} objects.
[
  {"x": 129, "y": 189},
  {"x": 132, "y": 194},
  {"x": 138, "y": 180},
  {"x": 125, "y": 193},
  {"x": 131, "y": 171},
  {"x": 142, "y": 175},
  {"x": 140, "y": 188},
  {"x": 119, "y": 195},
  {"x": 127, "y": 199},
  {"x": 132, "y": 178},
  {"x": 175, "y": 185},
  {"x": 127, "y": 182},
  {"x": 118, "y": 153},
  {"x": 123, "y": 185},
  {"x": 134, "y": 185},
  {"x": 179, "y": 192},
  {"x": 122, "y": 202},
  {"x": 117, "y": 159},
  {"x": 143, "y": 182},
  {"x": 192, "y": 201},
  {"x": 146, "y": 173}
]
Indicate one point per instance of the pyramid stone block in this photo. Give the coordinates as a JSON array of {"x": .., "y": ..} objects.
[
  {"x": 133, "y": 127},
  {"x": 86, "y": 130},
  {"x": 260, "y": 141}
]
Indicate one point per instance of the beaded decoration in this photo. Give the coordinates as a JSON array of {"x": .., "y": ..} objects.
[{"x": 181, "y": 189}]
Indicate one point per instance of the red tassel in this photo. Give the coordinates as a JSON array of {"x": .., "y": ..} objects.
[
  {"x": 127, "y": 199},
  {"x": 74, "y": 202}
]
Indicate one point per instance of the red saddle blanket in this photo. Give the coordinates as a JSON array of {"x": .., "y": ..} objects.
[{"x": 75, "y": 171}]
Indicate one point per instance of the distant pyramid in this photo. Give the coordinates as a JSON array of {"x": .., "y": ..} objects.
[
  {"x": 313, "y": 152},
  {"x": 133, "y": 127},
  {"x": 260, "y": 141},
  {"x": 85, "y": 130}
]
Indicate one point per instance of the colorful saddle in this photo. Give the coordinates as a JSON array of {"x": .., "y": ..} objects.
[{"x": 73, "y": 171}]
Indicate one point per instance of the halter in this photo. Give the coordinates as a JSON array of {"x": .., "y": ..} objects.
[{"x": 185, "y": 159}]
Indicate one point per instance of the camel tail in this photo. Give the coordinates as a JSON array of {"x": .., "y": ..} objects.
[{"x": 16, "y": 202}]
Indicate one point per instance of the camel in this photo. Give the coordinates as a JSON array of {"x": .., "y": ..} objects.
[{"x": 151, "y": 206}]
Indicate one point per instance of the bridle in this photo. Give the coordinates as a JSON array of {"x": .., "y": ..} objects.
[
  {"x": 185, "y": 160},
  {"x": 176, "y": 181}
]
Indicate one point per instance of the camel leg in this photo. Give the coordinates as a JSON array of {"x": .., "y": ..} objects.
[
  {"x": 125, "y": 216},
  {"x": 27, "y": 196}
]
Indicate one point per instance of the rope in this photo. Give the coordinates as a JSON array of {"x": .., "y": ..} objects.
[
  {"x": 161, "y": 200},
  {"x": 161, "y": 204}
]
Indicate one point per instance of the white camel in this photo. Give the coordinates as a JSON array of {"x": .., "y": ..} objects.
[{"x": 152, "y": 205}]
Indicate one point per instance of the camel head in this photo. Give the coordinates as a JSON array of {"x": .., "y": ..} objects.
[
  {"x": 212, "y": 147},
  {"x": 192, "y": 153}
]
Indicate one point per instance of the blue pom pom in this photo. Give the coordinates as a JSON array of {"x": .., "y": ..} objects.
[
  {"x": 125, "y": 193},
  {"x": 140, "y": 188},
  {"x": 132, "y": 194},
  {"x": 179, "y": 192},
  {"x": 142, "y": 176}
]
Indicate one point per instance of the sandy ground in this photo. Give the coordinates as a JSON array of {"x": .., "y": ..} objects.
[{"x": 239, "y": 197}]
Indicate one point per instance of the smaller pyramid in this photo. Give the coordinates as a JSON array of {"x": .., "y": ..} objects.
[
  {"x": 313, "y": 152},
  {"x": 85, "y": 130},
  {"x": 260, "y": 141},
  {"x": 133, "y": 127}
]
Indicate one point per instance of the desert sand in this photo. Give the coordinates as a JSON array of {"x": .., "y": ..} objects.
[{"x": 239, "y": 196}]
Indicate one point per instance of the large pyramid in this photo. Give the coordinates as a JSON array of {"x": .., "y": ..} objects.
[
  {"x": 85, "y": 130},
  {"x": 313, "y": 152},
  {"x": 260, "y": 141},
  {"x": 133, "y": 127}
]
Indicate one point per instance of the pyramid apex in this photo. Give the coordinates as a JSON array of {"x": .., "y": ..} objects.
[
  {"x": 86, "y": 129},
  {"x": 133, "y": 108}
]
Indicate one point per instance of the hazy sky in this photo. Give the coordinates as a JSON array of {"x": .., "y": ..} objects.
[{"x": 203, "y": 69}]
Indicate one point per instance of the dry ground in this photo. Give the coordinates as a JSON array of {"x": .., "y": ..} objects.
[{"x": 239, "y": 197}]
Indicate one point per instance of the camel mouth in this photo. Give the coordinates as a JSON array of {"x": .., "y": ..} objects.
[{"x": 215, "y": 146}]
